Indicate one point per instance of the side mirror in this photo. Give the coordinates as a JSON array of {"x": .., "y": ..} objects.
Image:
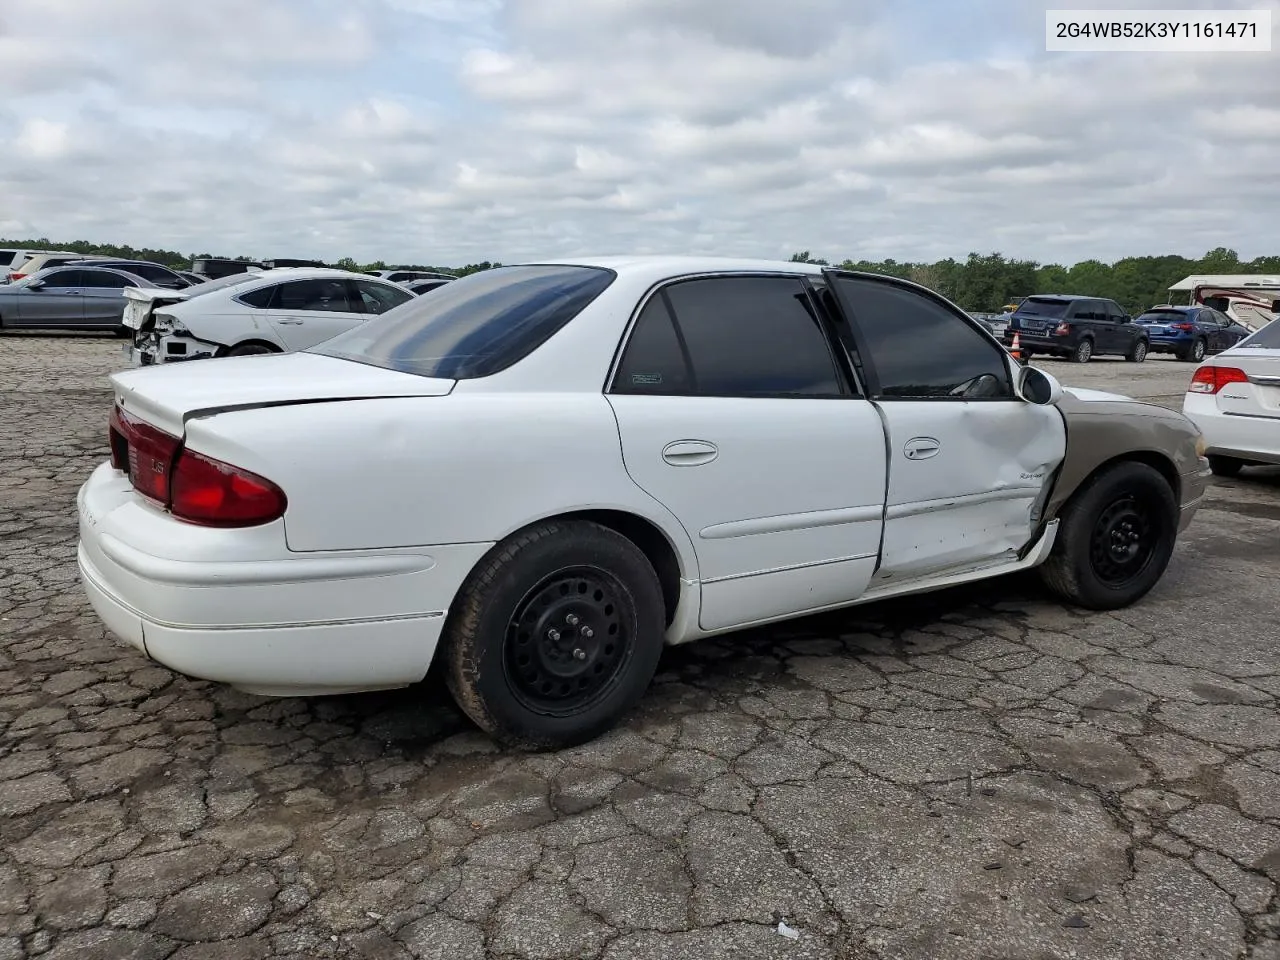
[{"x": 1035, "y": 386}]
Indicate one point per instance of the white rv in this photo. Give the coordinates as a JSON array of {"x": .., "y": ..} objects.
[{"x": 1251, "y": 299}]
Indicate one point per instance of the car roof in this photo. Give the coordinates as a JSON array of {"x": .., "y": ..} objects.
[
  {"x": 301, "y": 273},
  {"x": 1065, "y": 297},
  {"x": 657, "y": 267},
  {"x": 1166, "y": 308},
  {"x": 63, "y": 268}
]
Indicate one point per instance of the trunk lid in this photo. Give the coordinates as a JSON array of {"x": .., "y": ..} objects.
[
  {"x": 140, "y": 304},
  {"x": 1260, "y": 396},
  {"x": 169, "y": 395}
]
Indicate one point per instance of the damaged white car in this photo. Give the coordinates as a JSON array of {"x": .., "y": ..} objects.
[{"x": 270, "y": 311}]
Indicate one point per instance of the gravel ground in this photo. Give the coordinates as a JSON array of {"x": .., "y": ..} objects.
[{"x": 977, "y": 774}]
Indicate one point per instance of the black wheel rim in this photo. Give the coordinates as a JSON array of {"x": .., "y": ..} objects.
[
  {"x": 568, "y": 641},
  {"x": 1123, "y": 542}
]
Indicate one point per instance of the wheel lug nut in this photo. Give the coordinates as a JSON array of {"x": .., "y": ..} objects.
[
  {"x": 553, "y": 635},
  {"x": 571, "y": 619},
  {"x": 588, "y": 632},
  {"x": 579, "y": 654}
]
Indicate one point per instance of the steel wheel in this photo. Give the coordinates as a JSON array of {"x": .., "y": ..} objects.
[
  {"x": 567, "y": 641},
  {"x": 1123, "y": 542}
]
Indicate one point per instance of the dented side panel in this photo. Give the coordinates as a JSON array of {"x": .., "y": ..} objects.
[{"x": 966, "y": 480}]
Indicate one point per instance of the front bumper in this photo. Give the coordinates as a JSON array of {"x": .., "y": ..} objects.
[
  {"x": 1194, "y": 483},
  {"x": 237, "y": 607}
]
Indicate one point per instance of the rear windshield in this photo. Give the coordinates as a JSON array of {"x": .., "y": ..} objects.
[
  {"x": 475, "y": 326},
  {"x": 1268, "y": 338},
  {"x": 1164, "y": 316},
  {"x": 1043, "y": 308}
]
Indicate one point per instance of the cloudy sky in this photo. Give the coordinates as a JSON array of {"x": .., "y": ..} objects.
[{"x": 450, "y": 131}]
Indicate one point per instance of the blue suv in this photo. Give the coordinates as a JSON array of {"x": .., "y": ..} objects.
[{"x": 1189, "y": 333}]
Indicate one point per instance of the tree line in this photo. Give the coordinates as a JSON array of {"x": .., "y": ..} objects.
[
  {"x": 981, "y": 282},
  {"x": 986, "y": 282}
]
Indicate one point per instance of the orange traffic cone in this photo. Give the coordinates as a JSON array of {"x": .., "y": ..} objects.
[{"x": 1016, "y": 350}]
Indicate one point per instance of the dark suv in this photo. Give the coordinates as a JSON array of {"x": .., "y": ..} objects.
[
  {"x": 1190, "y": 332},
  {"x": 1077, "y": 328}
]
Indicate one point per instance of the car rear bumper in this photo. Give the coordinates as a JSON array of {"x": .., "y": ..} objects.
[
  {"x": 1159, "y": 344},
  {"x": 1228, "y": 435},
  {"x": 238, "y": 608}
]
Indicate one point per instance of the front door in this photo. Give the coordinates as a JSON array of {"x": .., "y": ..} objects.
[
  {"x": 58, "y": 301},
  {"x": 969, "y": 463},
  {"x": 737, "y": 415},
  {"x": 306, "y": 312}
]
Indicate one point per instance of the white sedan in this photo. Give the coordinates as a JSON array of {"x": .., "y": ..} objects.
[
  {"x": 1234, "y": 398},
  {"x": 268, "y": 311},
  {"x": 542, "y": 473}
]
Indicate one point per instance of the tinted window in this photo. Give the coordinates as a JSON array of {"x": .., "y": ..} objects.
[
  {"x": 919, "y": 347},
  {"x": 654, "y": 362},
  {"x": 63, "y": 279},
  {"x": 476, "y": 326},
  {"x": 380, "y": 297},
  {"x": 1163, "y": 317},
  {"x": 1114, "y": 312},
  {"x": 1267, "y": 338},
  {"x": 149, "y": 271},
  {"x": 322, "y": 293},
  {"x": 261, "y": 298},
  {"x": 103, "y": 279},
  {"x": 753, "y": 336},
  {"x": 1052, "y": 309}
]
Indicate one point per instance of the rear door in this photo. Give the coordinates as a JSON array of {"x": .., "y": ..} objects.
[
  {"x": 58, "y": 301},
  {"x": 306, "y": 312},
  {"x": 737, "y": 414},
  {"x": 103, "y": 294},
  {"x": 969, "y": 463}
]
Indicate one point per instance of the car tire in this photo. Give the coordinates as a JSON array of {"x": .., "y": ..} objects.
[
  {"x": 1083, "y": 352},
  {"x": 555, "y": 635},
  {"x": 1115, "y": 538},
  {"x": 1137, "y": 353},
  {"x": 1225, "y": 466},
  {"x": 250, "y": 350},
  {"x": 1194, "y": 354}
]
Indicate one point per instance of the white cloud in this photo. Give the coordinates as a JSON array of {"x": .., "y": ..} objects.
[{"x": 453, "y": 130}]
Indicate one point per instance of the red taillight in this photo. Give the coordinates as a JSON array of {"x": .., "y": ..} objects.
[
  {"x": 192, "y": 486},
  {"x": 216, "y": 494},
  {"x": 1182, "y": 326},
  {"x": 1211, "y": 379},
  {"x": 16, "y": 276},
  {"x": 1062, "y": 329}
]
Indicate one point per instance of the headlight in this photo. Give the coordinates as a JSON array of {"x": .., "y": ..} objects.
[
  {"x": 1201, "y": 446},
  {"x": 167, "y": 323}
]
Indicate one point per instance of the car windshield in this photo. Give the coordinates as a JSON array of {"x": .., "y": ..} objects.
[
  {"x": 1043, "y": 308},
  {"x": 1163, "y": 316},
  {"x": 475, "y": 326},
  {"x": 1268, "y": 338}
]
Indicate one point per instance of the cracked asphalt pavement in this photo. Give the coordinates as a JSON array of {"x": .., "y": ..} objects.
[{"x": 976, "y": 774}]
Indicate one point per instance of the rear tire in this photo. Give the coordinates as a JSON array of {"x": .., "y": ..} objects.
[
  {"x": 1194, "y": 354},
  {"x": 555, "y": 635},
  {"x": 1137, "y": 353},
  {"x": 1116, "y": 535},
  {"x": 1225, "y": 466},
  {"x": 1083, "y": 352}
]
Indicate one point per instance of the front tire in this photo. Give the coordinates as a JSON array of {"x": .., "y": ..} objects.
[
  {"x": 555, "y": 635},
  {"x": 1225, "y": 466},
  {"x": 1116, "y": 535},
  {"x": 1137, "y": 353},
  {"x": 1083, "y": 352}
]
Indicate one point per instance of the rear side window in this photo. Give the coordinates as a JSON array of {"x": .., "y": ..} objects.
[
  {"x": 379, "y": 297},
  {"x": 261, "y": 298},
  {"x": 919, "y": 348},
  {"x": 476, "y": 326},
  {"x": 734, "y": 337},
  {"x": 63, "y": 279},
  {"x": 103, "y": 279}
]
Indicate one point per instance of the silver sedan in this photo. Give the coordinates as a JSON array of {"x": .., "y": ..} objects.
[{"x": 69, "y": 298}]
